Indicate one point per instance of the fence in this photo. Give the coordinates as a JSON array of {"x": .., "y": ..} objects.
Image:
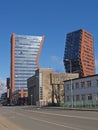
[{"x": 89, "y": 103}]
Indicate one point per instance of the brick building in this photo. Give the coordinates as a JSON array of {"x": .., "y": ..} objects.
[{"x": 46, "y": 87}]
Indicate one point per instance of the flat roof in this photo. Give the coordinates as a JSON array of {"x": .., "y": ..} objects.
[{"x": 82, "y": 77}]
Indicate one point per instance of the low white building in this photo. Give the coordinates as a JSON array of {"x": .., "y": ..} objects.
[{"x": 81, "y": 91}]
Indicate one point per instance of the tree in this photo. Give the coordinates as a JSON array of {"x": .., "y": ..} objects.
[{"x": 2, "y": 86}]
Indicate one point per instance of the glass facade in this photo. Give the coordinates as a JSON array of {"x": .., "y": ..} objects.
[
  {"x": 72, "y": 51},
  {"x": 25, "y": 59},
  {"x": 73, "y": 42},
  {"x": 79, "y": 53}
]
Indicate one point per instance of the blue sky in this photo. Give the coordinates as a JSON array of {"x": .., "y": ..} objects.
[{"x": 51, "y": 18}]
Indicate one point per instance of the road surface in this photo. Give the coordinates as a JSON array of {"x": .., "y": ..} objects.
[{"x": 28, "y": 118}]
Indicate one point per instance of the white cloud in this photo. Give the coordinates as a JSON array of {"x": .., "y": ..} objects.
[
  {"x": 57, "y": 63},
  {"x": 57, "y": 60}
]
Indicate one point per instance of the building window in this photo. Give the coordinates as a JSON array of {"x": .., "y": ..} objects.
[
  {"x": 68, "y": 99},
  {"x": 82, "y": 84},
  {"x": 88, "y": 84},
  {"x": 77, "y": 85},
  {"x": 97, "y": 97},
  {"x": 67, "y": 86},
  {"x": 72, "y": 86},
  {"x": 77, "y": 97},
  {"x": 83, "y": 97},
  {"x": 74, "y": 98},
  {"x": 89, "y": 96},
  {"x": 97, "y": 82}
]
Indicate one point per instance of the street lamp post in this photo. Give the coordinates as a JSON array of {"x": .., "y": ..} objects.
[
  {"x": 31, "y": 99},
  {"x": 69, "y": 60}
]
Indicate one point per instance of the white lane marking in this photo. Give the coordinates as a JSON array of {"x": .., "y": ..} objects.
[
  {"x": 70, "y": 116},
  {"x": 12, "y": 117},
  {"x": 80, "y": 117},
  {"x": 45, "y": 121},
  {"x": 53, "y": 123}
]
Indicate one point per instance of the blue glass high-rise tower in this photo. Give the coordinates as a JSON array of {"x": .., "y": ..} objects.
[{"x": 25, "y": 51}]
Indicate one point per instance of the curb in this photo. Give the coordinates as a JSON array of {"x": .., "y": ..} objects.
[{"x": 74, "y": 109}]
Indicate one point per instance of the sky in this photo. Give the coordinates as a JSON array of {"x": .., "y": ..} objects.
[{"x": 51, "y": 18}]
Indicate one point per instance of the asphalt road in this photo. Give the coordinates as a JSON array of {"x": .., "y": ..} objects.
[{"x": 28, "y": 118}]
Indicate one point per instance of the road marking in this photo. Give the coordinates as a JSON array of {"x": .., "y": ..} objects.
[
  {"x": 12, "y": 117},
  {"x": 48, "y": 113},
  {"x": 53, "y": 123},
  {"x": 7, "y": 124},
  {"x": 45, "y": 121},
  {"x": 70, "y": 116}
]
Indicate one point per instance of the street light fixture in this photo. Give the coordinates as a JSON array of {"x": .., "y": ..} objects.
[{"x": 69, "y": 60}]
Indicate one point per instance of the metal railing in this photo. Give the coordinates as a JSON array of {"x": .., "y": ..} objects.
[{"x": 90, "y": 103}]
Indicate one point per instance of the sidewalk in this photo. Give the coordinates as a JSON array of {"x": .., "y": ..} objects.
[
  {"x": 75, "y": 109},
  {"x": 61, "y": 108}
]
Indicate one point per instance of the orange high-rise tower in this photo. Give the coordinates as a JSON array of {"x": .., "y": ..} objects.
[{"x": 79, "y": 53}]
